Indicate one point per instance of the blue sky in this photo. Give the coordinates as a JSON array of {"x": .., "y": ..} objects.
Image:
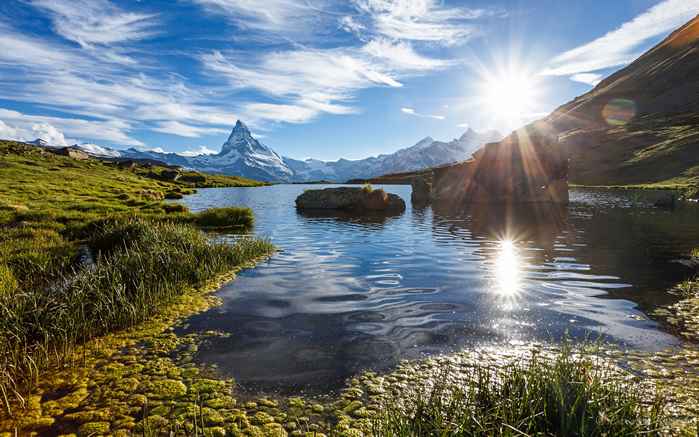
[{"x": 311, "y": 78}]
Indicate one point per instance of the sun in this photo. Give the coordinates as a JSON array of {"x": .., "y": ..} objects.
[{"x": 509, "y": 97}]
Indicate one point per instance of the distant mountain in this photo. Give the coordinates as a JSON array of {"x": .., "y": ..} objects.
[
  {"x": 243, "y": 155},
  {"x": 97, "y": 150},
  {"x": 426, "y": 153},
  {"x": 641, "y": 124}
]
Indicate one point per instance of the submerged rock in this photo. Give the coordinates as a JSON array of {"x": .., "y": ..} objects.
[
  {"x": 350, "y": 198},
  {"x": 667, "y": 199}
]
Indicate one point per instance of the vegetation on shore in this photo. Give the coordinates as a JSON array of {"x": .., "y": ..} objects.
[{"x": 55, "y": 212}]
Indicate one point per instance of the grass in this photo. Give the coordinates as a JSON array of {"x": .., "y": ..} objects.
[
  {"x": 574, "y": 393},
  {"x": 142, "y": 266},
  {"x": 52, "y": 210},
  {"x": 225, "y": 217}
]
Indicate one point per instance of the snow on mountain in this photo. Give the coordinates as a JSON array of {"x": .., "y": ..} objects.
[
  {"x": 97, "y": 150},
  {"x": 38, "y": 142},
  {"x": 242, "y": 155},
  {"x": 424, "y": 154}
]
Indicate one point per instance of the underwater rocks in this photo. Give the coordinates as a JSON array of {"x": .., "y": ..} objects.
[
  {"x": 527, "y": 166},
  {"x": 667, "y": 199},
  {"x": 350, "y": 198}
]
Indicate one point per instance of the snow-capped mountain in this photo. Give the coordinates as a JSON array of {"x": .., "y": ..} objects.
[
  {"x": 243, "y": 155},
  {"x": 97, "y": 150},
  {"x": 425, "y": 154}
]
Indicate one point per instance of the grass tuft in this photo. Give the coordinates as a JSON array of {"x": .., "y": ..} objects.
[
  {"x": 225, "y": 217},
  {"x": 141, "y": 266},
  {"x": 574, "y": 393}
]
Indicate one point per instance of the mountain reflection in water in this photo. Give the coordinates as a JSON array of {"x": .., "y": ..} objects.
[{"x": 357, "y": 292}]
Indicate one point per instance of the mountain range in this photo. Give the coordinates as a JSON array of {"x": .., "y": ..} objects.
[{"x": 243, "y": 155}]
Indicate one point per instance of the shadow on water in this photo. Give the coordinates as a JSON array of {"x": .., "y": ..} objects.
[
  {"x": 340, "y": 215},
  {"x": 358, "y": 292}
]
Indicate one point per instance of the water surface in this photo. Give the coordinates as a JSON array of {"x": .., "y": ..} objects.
[{"x": 352, "y": 293}]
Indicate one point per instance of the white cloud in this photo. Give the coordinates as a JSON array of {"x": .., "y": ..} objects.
[
  {"x": 619, "y": 47},
  {"x": 412, "y": 112},
  {"x": 348, "y": 24},
  {"x": 203, "y": 150},
  {"x": 420, "y": 20},
  {"x": 462, "y": 125},
  {"x": 588, "y": 78},
  {"x": 30, "y": 132},
  {"x": 185, "y": 130},
  {"x": 95, "y": 21},
  {"x": 275, "y": 16},
  {"x": 400, "y": 55},
  {"x": 315, "y": 80},
  {"x": 52, "y": 129},
  {"x": 256, "y": 112}
]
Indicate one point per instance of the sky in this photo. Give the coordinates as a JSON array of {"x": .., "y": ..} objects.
[{"x": 319, "y": 79}]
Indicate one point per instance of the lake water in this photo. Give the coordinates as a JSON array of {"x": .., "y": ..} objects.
[{"x": 355, "y": 293}]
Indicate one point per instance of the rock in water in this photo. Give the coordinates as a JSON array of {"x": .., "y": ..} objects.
[
  {"x": 527, "y": 166},
  {"x": 667, "y": 199},
  {"x": 421, "y": 191},
  {"x": 351, "y": 198}
]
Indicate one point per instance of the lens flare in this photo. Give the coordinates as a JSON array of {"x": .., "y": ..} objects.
[{"x": 619, "y": 111}]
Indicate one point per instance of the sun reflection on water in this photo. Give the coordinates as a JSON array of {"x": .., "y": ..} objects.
[{"x": 508, "y": 272}]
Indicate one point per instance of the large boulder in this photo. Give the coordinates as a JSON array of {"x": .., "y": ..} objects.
[
  {"x": 421, "y": 190},
  {"x": 527, "y": 166},
  {"x": 72, "y": 152},
  {"x": 192, "y": 178},
  {"x": 170, "y": 175},
  {"x": 350, "y": 198}
]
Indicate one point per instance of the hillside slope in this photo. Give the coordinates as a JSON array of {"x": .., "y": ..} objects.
[{"x": 641, "y": 124}]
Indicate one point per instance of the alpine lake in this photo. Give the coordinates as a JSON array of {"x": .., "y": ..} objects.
[{"x": 351, "y": 293}]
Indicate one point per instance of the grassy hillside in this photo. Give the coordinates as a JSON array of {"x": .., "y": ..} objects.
[{"x": 63, "y": 193}]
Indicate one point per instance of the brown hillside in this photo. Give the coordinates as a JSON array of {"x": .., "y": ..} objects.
[{"x": 641, "y": 124}]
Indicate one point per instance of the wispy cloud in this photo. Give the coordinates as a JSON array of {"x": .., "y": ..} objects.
[
  {"x": 412, "y": 112},
  {"x": 420, "y": 20},
  {"x": 588, "y": 78},
  {"x": 620, "y": 47},
  {"x": 316, "y": 80},
  {"x": 402, "y": 56},
  {"x": 185, "y": 130},
  {"x": 275, "y": 17},
  {"x": 97, "y": 25}
]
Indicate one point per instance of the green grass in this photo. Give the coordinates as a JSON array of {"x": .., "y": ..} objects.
[
  {"x": 145, "y": 251},
  {"x": 574, "y": 393},
  {"x": 141, "y": 266},
  {"x": 225, "y": 217}
]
